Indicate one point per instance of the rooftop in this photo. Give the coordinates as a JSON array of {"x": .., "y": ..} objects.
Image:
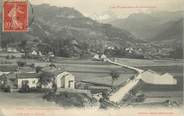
[{"x": 28, "y": 75}]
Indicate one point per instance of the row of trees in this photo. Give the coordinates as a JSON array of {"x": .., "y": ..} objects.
[
  {"x": 60, "y": 47},
  {"x": 121, "y": 52},
  {"x": 68, "y": 46}
]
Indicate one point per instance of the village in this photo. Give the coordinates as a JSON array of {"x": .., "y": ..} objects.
[{"x": 60, "y": 82}]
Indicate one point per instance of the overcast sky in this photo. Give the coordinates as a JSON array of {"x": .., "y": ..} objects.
[{"x": 118, "y": 7}]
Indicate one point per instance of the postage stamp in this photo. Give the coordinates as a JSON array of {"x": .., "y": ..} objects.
[{"x": 15, "y": 16}]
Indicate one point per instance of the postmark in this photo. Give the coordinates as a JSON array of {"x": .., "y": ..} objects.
[{"x": 15, "y": 16}]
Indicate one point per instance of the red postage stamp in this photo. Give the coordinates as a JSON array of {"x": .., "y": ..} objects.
[{"x": 15, "y": 16}]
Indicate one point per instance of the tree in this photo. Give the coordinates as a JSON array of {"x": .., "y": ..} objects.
[
  {"x": 46, "y": 78},
  {"x": 44, "y": 48},
  {"x": 6, "y": 39},
  {"x": 114, "y": 75},
  {"x": 177, "y": 53},
  {"x": 21, "y": 63},
  {"x": 24, "y": 46},
  {"x": 25, "y": 87},
  {"x": 38, "y": 69}
]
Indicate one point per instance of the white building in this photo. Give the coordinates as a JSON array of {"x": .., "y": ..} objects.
[
  {"x": 104, "y": 58},
  {"x": 13, "y": 50},
  {"x": 96, "y": 57},
  {"x": 65, "y": 80},
  {"x": 129, "y": 50},
  {"x": 34, "y": 53},
  {"x": 30, "y": 78}
]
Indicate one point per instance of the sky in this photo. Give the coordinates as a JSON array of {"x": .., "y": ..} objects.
[{"x": 121, "y": 8}]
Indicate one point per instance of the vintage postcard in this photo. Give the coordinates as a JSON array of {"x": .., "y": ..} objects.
[{"x": 91, "y": 57}]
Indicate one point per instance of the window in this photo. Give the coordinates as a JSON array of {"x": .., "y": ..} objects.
[{"x": 33, "y": 81}]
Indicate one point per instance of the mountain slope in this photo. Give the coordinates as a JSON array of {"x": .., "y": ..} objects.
[
  {"x": 147, "y": 26},
  {"x": 68, "y": 19},
  {"x": 170, "y": 31},
  {"x": 59, "y": 27}
]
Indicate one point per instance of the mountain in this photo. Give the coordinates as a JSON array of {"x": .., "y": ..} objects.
[
  {"x": 68, "y": 19},
  {"x": 60, "y": 27},
  {"x": 104, "y": 17},
  {"x": 170, "y": 37},
  {"x": 162, "y": 31},
  {"x": 172, "y": 30},
  {"x": 147, "y": 26},
  {"x": 66, "y": 32}
]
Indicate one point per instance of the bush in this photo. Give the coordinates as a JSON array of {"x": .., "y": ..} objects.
[
  {"x": 7, "y": 57},
  {"x": 21, "y": 63},
  {"x": 38, "y": 69}
]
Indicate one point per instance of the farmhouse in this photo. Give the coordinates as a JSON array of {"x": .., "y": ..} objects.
[
  {"x": 30, "y": 79},
  {"x": 101, "y": 57},
  {"x": 12, "y": 50},
  {"x": 96, "y": 57},
  {"x": 65, "y": 80},
  {"x": 34, "y": 53},
  {"x": 104, "y": 58}
]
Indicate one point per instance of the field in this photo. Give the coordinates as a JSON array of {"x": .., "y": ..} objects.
[
  {"x": 98, "y": 72},
  {"x": 19, "y": 99},
  {"x": 160, "y": 93}
]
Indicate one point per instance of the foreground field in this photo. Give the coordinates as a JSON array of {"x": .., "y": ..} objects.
[
  {"x": 99, "y": 72},
  {"x": 19, "y": 99}
]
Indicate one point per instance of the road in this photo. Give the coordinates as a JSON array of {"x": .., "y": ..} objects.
[{"x": 120, "y": 94}]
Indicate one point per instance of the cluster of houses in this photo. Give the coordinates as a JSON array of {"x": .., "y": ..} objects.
[
  {"x": 26, "y": 79},
  {"x": 10, "y": 49},
  {"x": 34, "y": 53},
  {"x": 100, "y": 57}
]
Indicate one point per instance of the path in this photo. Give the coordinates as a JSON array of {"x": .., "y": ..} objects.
[{"x": 120, "y": 94}]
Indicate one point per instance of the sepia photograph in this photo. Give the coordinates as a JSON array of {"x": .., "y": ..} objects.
[{"x": 91, "y": 57}]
